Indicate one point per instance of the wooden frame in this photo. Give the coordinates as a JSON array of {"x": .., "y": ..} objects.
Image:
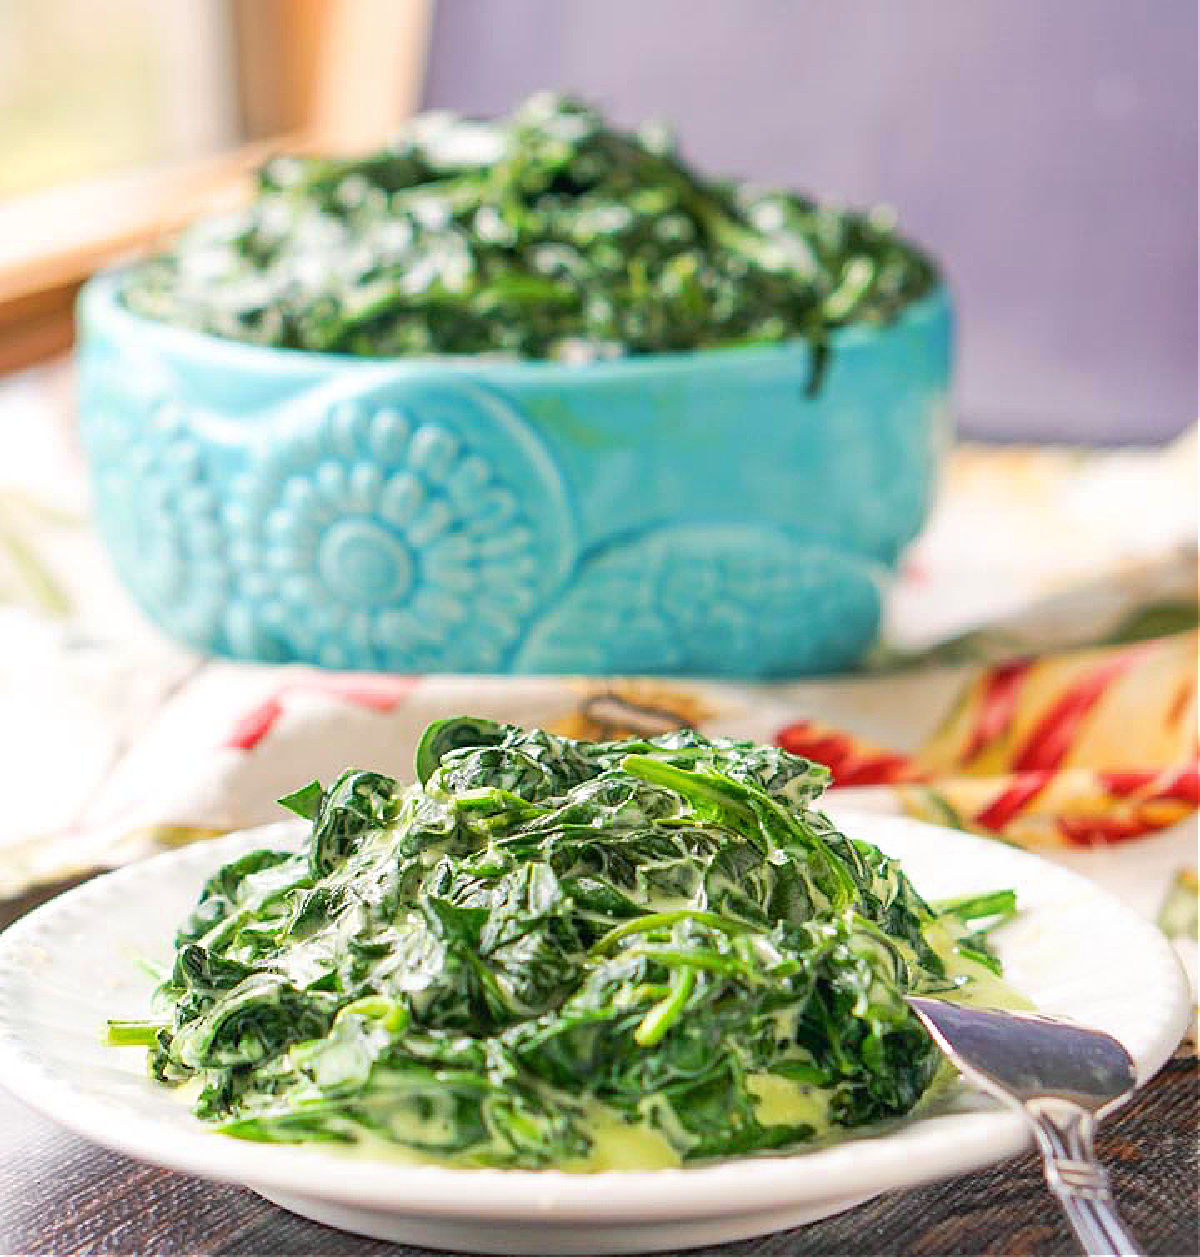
[
  {"x": 331, "y": 74},
  {"x": 344, "y": 72},
  {"x": 53, "y": 241}
]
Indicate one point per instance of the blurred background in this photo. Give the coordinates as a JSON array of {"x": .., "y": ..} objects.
[
  {"x": 1047, "y": 152},
  {"x": 1036, "y": 666}
]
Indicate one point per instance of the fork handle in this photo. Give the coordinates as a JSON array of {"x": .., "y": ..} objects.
[{"x": 1064, "y": 1134}]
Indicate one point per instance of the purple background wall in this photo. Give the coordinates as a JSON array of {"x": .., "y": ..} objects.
[{"x": 1046, "y": 149}]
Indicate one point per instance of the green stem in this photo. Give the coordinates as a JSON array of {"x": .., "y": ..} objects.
[
  {"x": 989, "y": 962},
  {"x": 654, "y": 920},
  {"x": 713, "y": 961},
  {"x": 132, "y": 1033},
  {"x": 665, "y": 1014},
  {"x": 996, "y": 903}
]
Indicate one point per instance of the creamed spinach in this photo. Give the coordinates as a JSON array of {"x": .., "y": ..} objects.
[
  {"x": 547, "y": 234},
  {"x": 559, "y": 953}
]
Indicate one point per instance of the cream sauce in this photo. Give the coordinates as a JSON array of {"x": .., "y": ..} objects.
[
  {"x": 623, "y": 1145},
  {"x": 782, "y": 1102}
]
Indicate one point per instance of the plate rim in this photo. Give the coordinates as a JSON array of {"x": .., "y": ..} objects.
[{"x": 866, "y": 1163}]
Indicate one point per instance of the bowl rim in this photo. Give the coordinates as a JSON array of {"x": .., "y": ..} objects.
[{"x": 100, "y": 302}]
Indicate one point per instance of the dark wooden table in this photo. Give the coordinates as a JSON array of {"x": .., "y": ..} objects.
[{"x": 59, "y": 1194}]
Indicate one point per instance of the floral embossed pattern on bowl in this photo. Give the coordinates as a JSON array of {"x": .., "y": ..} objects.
[{"x": 676, "y": 513}]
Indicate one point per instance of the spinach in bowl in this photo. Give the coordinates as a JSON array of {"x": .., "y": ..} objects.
[
  {"x": 552, "y": 953},
  {"x": 548, "y": 234}
]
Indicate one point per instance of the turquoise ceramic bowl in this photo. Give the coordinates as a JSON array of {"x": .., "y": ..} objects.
[{"x": 678, "y": 513}]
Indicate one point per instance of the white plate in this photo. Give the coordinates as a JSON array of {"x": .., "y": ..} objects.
[{"x": 1074, "y": 951}]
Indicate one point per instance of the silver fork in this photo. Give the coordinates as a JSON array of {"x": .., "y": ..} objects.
[{"x": 1061, "y": 1078}]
